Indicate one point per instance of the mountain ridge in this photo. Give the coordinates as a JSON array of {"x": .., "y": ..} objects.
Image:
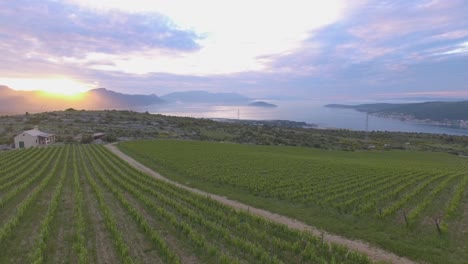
[
  {"x": 204, "y": 97},
  {"x": 13, "y": 101},
  {"x": 17, "y": 101},
  {"x": 438, "y": 111}
]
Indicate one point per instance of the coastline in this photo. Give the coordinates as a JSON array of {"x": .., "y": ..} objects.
[{"x": 460, "y": 124}]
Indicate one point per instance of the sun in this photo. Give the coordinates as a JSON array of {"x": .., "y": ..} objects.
[{"x": 65, "y": 87}]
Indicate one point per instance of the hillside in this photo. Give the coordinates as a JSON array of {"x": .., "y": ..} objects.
[
  {"x": 361, "y": 195},
  {"x": 126, "y": 125},
  {"x": 104, "y": 98},
  {"x": 82, "y": 204},
  {"x": 257, "y": 175},
  {"x": 16, "y": 102},
  {"x": 434, "y": 111}
]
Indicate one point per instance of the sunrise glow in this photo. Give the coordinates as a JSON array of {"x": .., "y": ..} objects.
[
  {"x": 229, "y": 44},
  {"x": 262, "y": 49},
  {"x": 50, "y": 86}
]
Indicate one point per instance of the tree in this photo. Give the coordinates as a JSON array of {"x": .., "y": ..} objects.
[
  {"x": 87, "y": 139},
  {"x": 110, "y": 138}
]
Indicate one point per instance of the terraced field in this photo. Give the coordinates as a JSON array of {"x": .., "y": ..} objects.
[
  {"x": 82, "y": 204},
  {"x": 411, "y": 203}
]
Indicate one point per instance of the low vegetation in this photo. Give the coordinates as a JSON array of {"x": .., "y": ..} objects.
[
  {"x": 411, "y": 203},
  {"x": 72, "y": 125},
  {"x": 82, "y": 204}
]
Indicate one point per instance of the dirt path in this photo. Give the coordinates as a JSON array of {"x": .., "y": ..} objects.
[{"x": 374, "y": 253}]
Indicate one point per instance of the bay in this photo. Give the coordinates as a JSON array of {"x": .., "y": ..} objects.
[{"x": 311, "y": 112}]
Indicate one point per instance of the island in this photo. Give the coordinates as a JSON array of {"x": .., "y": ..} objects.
[{"x": 262, "y": 104}]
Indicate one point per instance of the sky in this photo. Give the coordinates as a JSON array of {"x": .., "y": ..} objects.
[{"x": 327, "y": 50}]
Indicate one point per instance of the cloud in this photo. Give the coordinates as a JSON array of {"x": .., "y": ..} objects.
[
  {"x": 236, "y": 33},
  {"x": 50, "y": 28},
  {"x": 401, "y": 29},
  {"x": 459, "y": 49},
  {"x": 451, "y": 35},
  {"x": 252, "y": 47},
  {"x": 392, "y": 35}
]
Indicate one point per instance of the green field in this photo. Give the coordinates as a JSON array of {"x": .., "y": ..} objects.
[
  {"x": 82, "y": 204},
  {"x": 391, "y": 199}
]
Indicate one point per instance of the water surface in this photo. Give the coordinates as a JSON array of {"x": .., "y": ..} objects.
[{"x": 311, "y": 112}]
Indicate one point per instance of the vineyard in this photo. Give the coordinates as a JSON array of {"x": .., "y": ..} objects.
[
  {"x": 411, "y": 203},
  {"x": 82, "y": 204}
]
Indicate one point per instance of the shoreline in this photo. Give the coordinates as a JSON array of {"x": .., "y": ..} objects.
[{"x": 456, "y": 124}]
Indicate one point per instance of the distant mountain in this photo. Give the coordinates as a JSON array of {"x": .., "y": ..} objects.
[
  {"x": 204, "y": 97},
  {"x": 435, "y": 111},
  {"x": 262, "y": 104},
  {"x": 429, "y": 99},
  {"x": 103, "y": 98},
  {"x": 14, "y": 102},
  {"x": 370, "y": 108}
]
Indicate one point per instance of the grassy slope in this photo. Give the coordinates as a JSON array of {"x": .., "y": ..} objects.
[{"x": 189, "y": 162}]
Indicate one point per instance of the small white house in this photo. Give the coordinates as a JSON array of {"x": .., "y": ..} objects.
[{"x": 33, "y": 138}]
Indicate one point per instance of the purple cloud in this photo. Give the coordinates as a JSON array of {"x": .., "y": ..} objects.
[
  {"x": 57, "y": 29},
  {"x": 381, "y": 47}
]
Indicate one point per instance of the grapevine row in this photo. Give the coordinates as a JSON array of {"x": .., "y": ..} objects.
[
  {"x": 165, "y": 251},
  {"x": 12, "y": 167},
  {"x": 7, "y": 229},
  {"x": 197, "y": 217},
  {"x": 80, "y": 224},
  {"x": 20, "y": 176},
  {"x": 413, "y": 214},
  {"x": 372, "y": 204},
  {"x": 110, "y": 221},
  {"x": 186, "y": 229},
  {"x": 403, "y": 200},
  {"x": 457, "y": 197},
  {"x": 44, "y": 231},
  {"x": 12, "y": 193}
]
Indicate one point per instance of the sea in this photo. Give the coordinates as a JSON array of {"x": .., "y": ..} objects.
[{"x": 311, "y": 112}]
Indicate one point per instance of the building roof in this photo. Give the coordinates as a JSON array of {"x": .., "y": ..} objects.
[{"x": 37, "y": 133}]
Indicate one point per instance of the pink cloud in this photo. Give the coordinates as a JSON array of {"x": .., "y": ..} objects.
[
  {"x": 383, "y": 22},
  {"x": 438, "y": 5},
  {"x": 456, "y": 34},
  {"x": 386, "y": 28},
  {"x": 362, "y": 52}
]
